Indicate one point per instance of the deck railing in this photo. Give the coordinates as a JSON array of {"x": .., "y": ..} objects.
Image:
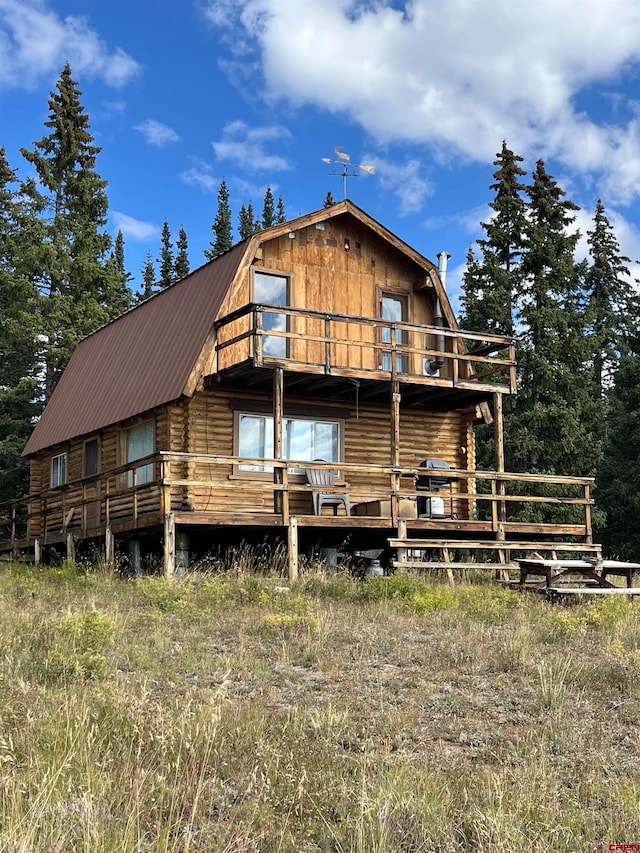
[
  {"x": 487, "y": 500},
  {"x": 342, "y": 344}
]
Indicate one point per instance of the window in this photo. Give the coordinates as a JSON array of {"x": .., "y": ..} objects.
[
  {"x": 139, "y": 441},
  {"x": 91, "y": 458},
  {"x": 302, "y": 439},
  {"x": 395, "y": 309},
  {"x": 58, "y": 470},
  {"x": 272, "y": 289}
]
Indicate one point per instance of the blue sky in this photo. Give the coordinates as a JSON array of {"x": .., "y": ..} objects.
[{"x": 183, "y": 94}]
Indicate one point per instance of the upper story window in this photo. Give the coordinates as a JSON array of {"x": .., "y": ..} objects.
[
  {"x": 302, "y": 438},
  {"x": 272, "y": 289},
  {"x": 91, "y": 458},
  {"x": 395, "y": 309},
  {"x": 138, "y": 442},
  {"x": 58, "y": 470}
]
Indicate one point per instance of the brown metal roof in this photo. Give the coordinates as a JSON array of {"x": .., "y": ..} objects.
[{"x": 139, "y": 361}]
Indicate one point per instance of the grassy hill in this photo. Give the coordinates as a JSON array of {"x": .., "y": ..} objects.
[{"x": 232, "y": 713}]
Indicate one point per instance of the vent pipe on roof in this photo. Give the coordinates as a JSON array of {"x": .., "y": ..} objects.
[{"x": 432, "y": 366}]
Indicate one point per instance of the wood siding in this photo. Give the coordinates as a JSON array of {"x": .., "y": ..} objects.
[{"x": 325, "y": 277}]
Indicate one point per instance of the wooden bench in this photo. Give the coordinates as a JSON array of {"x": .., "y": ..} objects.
[{"x": 560, "y": 591}]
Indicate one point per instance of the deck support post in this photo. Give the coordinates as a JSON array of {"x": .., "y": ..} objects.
[
  {"x": 292, "y": 548},
  {"x": 498, "y": 433},
  {"x": 169, "y": 545},
  {"x": 395, "y": 423},
  {"x": 401, "y": 553},
  {"x": 278, "y": 406},
  {"x": 71, "y": 547},
  {"x": 37, "y": 553},
  {"x": 109, "y": 548}
]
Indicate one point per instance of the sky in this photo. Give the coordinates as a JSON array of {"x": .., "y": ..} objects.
[{"x": 182, "y": 95}]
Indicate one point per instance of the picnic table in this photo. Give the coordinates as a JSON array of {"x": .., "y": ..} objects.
[{"x": 557, "y": 571}]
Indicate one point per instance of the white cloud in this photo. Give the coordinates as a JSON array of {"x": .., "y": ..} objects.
[
  {"x": 134, "y": 229},
  {"x": 36, "y": 42},
  {"x": 200, "y": 175},
  {"x": 459, "y": 76},
  {"x": 405, "y": 181},
  {"x": 156, "y": 133},
  {"x": 246, "y": 146}
]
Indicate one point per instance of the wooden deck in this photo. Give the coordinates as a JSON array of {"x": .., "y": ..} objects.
[{"x": 481, "y": 520}]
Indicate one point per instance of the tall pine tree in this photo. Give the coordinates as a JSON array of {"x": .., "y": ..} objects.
[
  {"x": 222, "y": 228},
  {"x": 148, "y": 278},
  {"x": 268, "y": 209},
  {"x": 281, "y": 215},
  {"x": 81, "y": 289},
  {"x": 181, "y": 266},
  {"x": 553, "y": 429},
  {"x": 487, "y": 300},
  {"x": 613, "y": 306},
  {"x": 166, "y": 257},
  {"x": 20, "y": 403}
]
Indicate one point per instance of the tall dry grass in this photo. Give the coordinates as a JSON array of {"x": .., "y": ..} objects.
[{"x": 227, "y": 713}]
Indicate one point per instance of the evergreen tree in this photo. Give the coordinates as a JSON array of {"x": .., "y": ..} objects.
[
  {"x": 613, "y": 306},
  {"x": 19, "y": 332},
  {"x": 74, "y": 274},
  {"x": 222, "y": 229},
  {"x": 487, "y": 299},
  {"x": 281, "y": 215},
  {"x": 268, "y": 209},
  {"x": 122, "y": 297},
  {"x": 148, "y": 277},
  {"x": 166, "y": 257},
  {"x": 328, "y": 199},
  {"x": 554, "y": 428},
  {"x": 246, "y": 222},
  {"x": 181, "y": 267},
  {"x": 619, "y": 471}
]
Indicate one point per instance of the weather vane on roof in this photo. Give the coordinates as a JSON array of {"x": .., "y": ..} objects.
[{"x": 344, "y": 161}]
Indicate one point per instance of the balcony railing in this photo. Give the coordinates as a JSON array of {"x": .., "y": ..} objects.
[
  {"x": 341, "y": 344},
  {"x": 202, "y": 488}
]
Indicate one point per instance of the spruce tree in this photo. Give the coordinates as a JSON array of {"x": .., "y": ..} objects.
[
  {"x": 182, "y": 267},
  {"x": 246, "y": 222},
  {"x": 81, "y": 289},
  {"x": 328, "y": 200},
  {"x": 554, "y": 427},
  {"x": 613, "y": 306},
  {"x": 166, "y": 257},
  {"x": 148, "y": 278},
  {"x": 122, "y": 296},
  {"x": 487, "y": 300},
  {"x": 222, "y": 229},
  {"x": 268, "y": 209},
  {"x": 619, "y": 471},
  {"x": 281, "y": 215},
  {"x": 20, "y": 403}
]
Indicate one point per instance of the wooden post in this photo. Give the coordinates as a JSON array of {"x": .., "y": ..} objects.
[
  {"x": 109, "y": 548},
  {"x": 401, "y": 553},
  {"x": 587, "y": 515},
  {"x": 278, "y": 405},
  {"x": 395, "y": 421},
  {"x": 498, "y": 433},
  {"x": 71, "y": 547},
  {"x": 292, "y": 543},
  {"x": 169, "y": 545},
  {"x": 37, "y": 554},
  {"x": 327, "y": 344}
]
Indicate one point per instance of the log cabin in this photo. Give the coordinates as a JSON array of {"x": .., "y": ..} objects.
[{"x": 310, "y": 384}]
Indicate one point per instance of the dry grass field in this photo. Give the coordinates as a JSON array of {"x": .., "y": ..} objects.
[{"x": 229, "y": 712}]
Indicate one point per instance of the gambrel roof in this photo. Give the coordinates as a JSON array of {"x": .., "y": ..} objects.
[{"x": 153, "y": 354}]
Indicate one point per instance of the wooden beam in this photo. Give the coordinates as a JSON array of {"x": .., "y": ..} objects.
[
  {"x": 109, "y": 548},
  {"x": 278, "y": 408},
  {"x": 395, "y": 422}
]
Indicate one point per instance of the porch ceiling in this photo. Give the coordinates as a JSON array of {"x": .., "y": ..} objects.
[{"x": 375, "y": 391}]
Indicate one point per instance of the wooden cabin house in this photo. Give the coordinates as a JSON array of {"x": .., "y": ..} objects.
[{"x": 294, "y": 386}]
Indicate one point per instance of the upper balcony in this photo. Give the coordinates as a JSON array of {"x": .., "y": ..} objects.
[{"x": 455, "y": 367}]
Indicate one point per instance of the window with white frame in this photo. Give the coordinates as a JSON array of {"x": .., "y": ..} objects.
[
  {"x": 58, "y": 470},
  {"x": 303, "y": 439},
  {"x": 139, "y": 441},
  {"x": 272, "y": 289}
]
